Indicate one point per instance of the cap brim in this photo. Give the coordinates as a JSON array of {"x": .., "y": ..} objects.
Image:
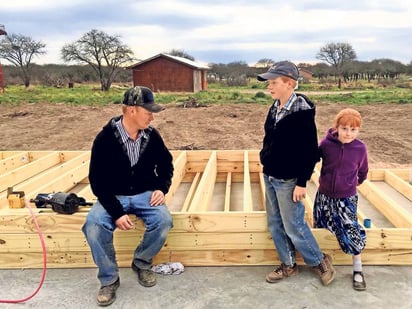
[
  {"x": 152, "y": 107},
  {"x": 265, "y": 76}
]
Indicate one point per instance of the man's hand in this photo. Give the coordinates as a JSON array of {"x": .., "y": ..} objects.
[
  {"x": 299, "y": 193},
  {"x": 157, "y": 198},
  {"x": 124, "y": 223}
]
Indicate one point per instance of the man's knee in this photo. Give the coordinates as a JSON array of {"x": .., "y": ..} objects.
[
  {"x": 163, "y": 219},
  {"x": 166, "y": 219}
]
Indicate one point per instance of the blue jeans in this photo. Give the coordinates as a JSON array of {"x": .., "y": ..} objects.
[
  {"x": 287, "y": 225},
  {"x": 99, "y": 228}
]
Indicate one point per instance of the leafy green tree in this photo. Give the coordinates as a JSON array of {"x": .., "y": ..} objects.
[
  {"x": 20, "y": 50},
  {"x": 105, "y": 53}
]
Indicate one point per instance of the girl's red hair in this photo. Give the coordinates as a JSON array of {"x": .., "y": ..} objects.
[{"x": 348, "y": 117}]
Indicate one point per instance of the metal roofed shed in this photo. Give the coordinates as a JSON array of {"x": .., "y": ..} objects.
[{"x": 168, "y": 73}]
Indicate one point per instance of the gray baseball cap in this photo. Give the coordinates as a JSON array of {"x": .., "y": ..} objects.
[{"x": 282, "y": 68}]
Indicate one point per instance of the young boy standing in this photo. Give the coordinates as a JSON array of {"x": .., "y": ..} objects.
[
  {"x": 344, "y": 167},
  {"x": 288, "y": 156}
]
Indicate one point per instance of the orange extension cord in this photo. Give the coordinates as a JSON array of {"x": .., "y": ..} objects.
[{"x": 44, "y": 262}]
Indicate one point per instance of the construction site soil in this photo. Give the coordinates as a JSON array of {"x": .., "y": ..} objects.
[{"x": 386, "y": 129}]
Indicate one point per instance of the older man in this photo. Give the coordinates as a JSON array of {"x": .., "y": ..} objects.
[{"x": 130, "y": 173}]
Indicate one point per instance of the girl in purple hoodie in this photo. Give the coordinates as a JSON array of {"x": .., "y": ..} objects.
[{"x": 344, "y": 167}]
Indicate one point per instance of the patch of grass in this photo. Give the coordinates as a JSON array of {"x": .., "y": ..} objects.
[
  {"x": 399, "y": 95},
  {"x": 254, "y": 93},
  {"x": 81, "y": 95}
]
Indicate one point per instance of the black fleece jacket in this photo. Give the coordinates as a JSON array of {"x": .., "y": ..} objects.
[
  {"x": 290, "y": 150},
  {"x": 110, "y": 173}
]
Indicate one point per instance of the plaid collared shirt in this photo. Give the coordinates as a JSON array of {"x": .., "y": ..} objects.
[
  {"x": 294, "y": 104},
  {"x": 132, "y": 146}
]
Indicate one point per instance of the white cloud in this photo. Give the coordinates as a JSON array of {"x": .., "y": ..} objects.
[{"x": 215, "y": 29}]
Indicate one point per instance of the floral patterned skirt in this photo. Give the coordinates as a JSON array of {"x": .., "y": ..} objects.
[{"x": 339, "y": 216}]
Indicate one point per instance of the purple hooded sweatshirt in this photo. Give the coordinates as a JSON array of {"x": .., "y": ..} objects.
[{"x": 344, "y": 166}]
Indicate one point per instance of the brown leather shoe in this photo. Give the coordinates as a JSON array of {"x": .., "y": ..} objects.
[
  {"x": 281, "y": 272},
  {"x": 325, "y": 270},
  {"x": 107, "y": 294},
  {"x": 359, "y": 285},
  {"x": 146, "y": 277}
]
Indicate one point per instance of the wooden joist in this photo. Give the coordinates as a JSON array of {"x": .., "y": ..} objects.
[{"x": 217, "y": 200}]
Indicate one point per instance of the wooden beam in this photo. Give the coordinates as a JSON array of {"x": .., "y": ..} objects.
[
  {"x": 203, "y": 195},
  {"x": 247, "y": 189},
  {"x": 28, "y": 170},
  {"x": 308, "y": 203},
  {"x": 83, "y": 259},
  {"x": 399, "y": 184},
  {"x": 69, "y": 169},
  {"x": 398, "y": 216},
  {"x": 63, "y": 179},
  {"x": 190, "y": 194},
  {"x": 179, "y": 165},
  {"x": 12, "y": 160},
  {"x": 262, "y": 190},
  {"x": 228, "y": 192},
  {"x": 382, "y": 239},
  {"x": 378, "y": 174}
]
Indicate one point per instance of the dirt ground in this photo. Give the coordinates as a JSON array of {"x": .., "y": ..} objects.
[{"x": 387, "y": 129}]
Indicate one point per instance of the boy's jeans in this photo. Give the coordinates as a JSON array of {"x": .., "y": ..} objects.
[
  {"x": 287, "y": 225},
  {"x": 99, "y": 228}
]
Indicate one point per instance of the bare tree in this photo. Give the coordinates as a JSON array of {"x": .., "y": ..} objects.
[
  {"x": 19, "y": 50},
  {"x": 180, "y": 53},
  {"x": 337, "y": 55},
  {"x": 265, "y": 63},
  {"x": 104, "y": 53}
]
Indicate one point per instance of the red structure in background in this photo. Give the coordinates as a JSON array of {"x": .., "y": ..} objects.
[{"x": 2, "y": 32}]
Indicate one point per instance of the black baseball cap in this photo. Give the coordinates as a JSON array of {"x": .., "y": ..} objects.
[
  {"x": 282, "y": 68},
  {"x": 141, "y": 96}
]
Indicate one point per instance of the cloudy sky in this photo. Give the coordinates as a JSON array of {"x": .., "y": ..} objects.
[{"x": 220, "y": 31}]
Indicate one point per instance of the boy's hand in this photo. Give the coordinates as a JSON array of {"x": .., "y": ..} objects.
[{"x": 299, "y": 193}]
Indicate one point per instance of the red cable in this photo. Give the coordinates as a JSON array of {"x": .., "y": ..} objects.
[{"x": 44, "y": 262}]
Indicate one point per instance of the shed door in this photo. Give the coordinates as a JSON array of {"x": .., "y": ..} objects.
[{"x": 197, "y": 80}]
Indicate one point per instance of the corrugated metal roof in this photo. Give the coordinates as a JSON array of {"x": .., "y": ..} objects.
[{"x": 186, "y": 61}]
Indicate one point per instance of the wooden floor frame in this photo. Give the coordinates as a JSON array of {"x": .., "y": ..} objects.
[{"x": 217, "y": 204}]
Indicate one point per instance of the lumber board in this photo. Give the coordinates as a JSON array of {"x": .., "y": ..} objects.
[
  {"x": 179, "y": 172},
  {"x": 399, "y": 184},
  {"x": 228, "y": 192},
  {"x": 61, "y": 177},
  {"x": 203, "y": 195},
  {"x": 12, "y": 160},
  {"x": 378, "y": 174},
  {"x": 395, "y": 214},
  {"x": 217, "y": 201},
  {"x": 84, "y": 259},
  {"x": 128, "y": 240},
  {"x": 20, "y": 221},
  {"x": 28, "y": 170},
  {"x": 247, "y": 190}
]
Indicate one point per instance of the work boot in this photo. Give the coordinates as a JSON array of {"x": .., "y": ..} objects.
[
  {"x": 107, "y": 294},
  {"x": 282, "y": 271},
  {"x": 328, "y": 259},
  {"x": 325, "y": 270},
  {"x": 146, "y": 277}
]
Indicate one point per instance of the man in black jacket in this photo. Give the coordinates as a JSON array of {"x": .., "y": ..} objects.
[{"x": 130, "y": 173}]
